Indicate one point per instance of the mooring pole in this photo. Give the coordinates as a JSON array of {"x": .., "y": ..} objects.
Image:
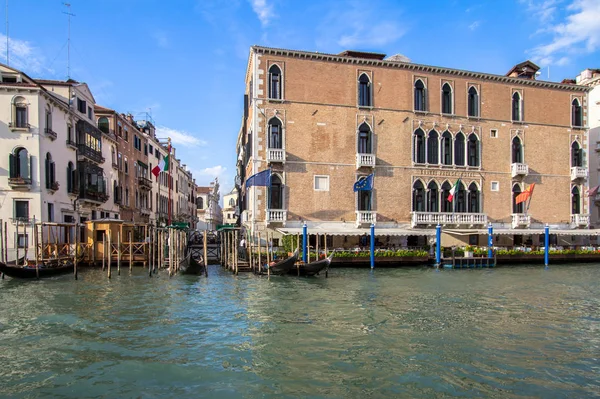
[
  {"x": 372, "y": 251},
  {"x": 304, "y": 233},
  {"x": 546, "y": 245},
  {"x": 438, "y": 245},
  {"x": 490, "y": 240}
]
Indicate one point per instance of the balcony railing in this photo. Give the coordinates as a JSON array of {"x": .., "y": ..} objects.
[
  {"x": 71, "y": 143},
  {"x": 577, "y": 172},
  {"x": 434, "y": 218},
  {"x": 520, "y": 220},
  {"x": 144, "y": 182},
  {"x": 519, "y": 169},
  {"x": 597, "y": 199},
  {"x": 92, "y": 194},
  {"x": 276, "y": 216},
  {"x": 366, "y": 160},
  {"x": 145, "y": 211},
  {"x": 19, "y": 182},
  {"x": 366, "y": 217},
  {"x": 90, "y": 153},
  {"x": 50, "y": 133},
  {"x": 275, "y": 155},
  {"x": 580, "y": 220}
]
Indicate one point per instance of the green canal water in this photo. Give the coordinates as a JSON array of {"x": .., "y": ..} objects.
[{"x": 512, "y": 332}]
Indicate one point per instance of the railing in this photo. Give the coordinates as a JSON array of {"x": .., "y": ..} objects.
[
  {"x": 144, "y": 182},
  {"x": 577, "y": 172},
  {"x": 54, "y": 186},
  {"x": 115, "y": 165},
  {"x": 93, "y": 195},
  {"x": 19, "y": 182},
  {"x": 276, "y": 216},
  {"x": 366, "y": 217},
  {"x": 434, "y": 218},
  {"x": 145, "y": 211},
  {"x": 275, "y": 155},
  {"x": 50, "y": 133},
  {"x": 71, "y": 143},
  {"x": 90, "y": 153},
  {"x": 580, "y": 220},
  {"x": 520, "y": 220},
  {"x": 519, "y": 169},
  {"x": 367, "y": 160}
]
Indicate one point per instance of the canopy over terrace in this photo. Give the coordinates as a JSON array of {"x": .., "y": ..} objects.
[
  {"x": 564, "y": 232},
  {"x": 349, "y": 230}
]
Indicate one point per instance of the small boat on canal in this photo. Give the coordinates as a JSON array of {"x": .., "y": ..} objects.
[
  {"x": 312, "y": 268},
  {"x": 283, "y": 266},
  {"x": 193, "y": 261},
  {"x": 46, "y": 269}
]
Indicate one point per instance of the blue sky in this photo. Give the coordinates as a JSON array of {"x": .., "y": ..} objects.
[{"x": 185, "y": 61}]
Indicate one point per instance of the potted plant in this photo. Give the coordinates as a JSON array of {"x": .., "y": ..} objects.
[{"x": 468, "y": 251}]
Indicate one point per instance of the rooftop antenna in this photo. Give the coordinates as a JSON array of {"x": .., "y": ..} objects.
[
  {"x": 68, "y": 5},
  {"x": 7, "y": 64}
]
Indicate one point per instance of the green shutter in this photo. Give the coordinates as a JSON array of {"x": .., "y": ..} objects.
[
  {"x": 47, "y": 169},
  {"x": 12, "y": 168}
]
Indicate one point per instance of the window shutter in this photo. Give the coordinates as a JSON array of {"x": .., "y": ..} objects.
[
  {"x": 27, "y": 173},
  {"x": 12, "y": 167},
  {"x": 269, "y": 85},
  {"x": 47, "y": 169},
  {"x": 52, "y": 172}
]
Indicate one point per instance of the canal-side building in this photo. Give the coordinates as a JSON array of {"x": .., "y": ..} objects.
[
  {"x": 413, "y": 135},
  {"x": 207, "y": 204},
  {"x": 591, "y": 78},
  {"x": 230, "y": 207}
]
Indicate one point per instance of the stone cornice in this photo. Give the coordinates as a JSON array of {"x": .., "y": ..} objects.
[{"x": 417, "y": 67}]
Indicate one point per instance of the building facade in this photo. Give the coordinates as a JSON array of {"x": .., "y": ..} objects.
[
  {"x": 321, "y": 122},
  {"x": 230, "y": 207},
  {"x": 208, "y": 208}
]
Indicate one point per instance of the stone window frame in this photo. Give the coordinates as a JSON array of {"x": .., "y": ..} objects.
[
  {"x": 521, "y": 105},
  {"x": 477, "y": 87},
  {"x": 497, "y": 184},
  {"x": 315, "y": 182},
  {"x": 423, "y": 79},
  {"x": 357, "y": 193},
  {"x": 450, "y": 83},
  {"x": 581, "y": 100},
  {"x": 369, "y": 74},
  {"x": 281, "y": 65},
  {"x": 520, "y": 133}
]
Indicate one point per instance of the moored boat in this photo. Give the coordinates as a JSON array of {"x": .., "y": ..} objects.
[
  {"x": 283, "y": 266},
  {"x": 312, "y": 268},
  {"x": 43, "y": 270}
]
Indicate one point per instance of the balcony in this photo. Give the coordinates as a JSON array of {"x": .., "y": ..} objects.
[
  {"x": 89, "y": 153},
  {"x": 71, "y": 144},
  {"x": 54, "y": 186},
  {"x": 366, "y": 217},
  {"x": 145, "y": 212},
  {"x": 520, "y": 220},
  {"x": 276, "y": 216},
  {"x": 145, "y": 183},
  {"x": 597, "y": 199},
  {"x": 445, "y": 218},
  {"x": 275, "y": 155},
  {"x": 50, "y": 133},
  {"x": 519, "y": 169},
  {"x": 94, "y": 194},
  {"x": 365, "y": 160},
  {"x": 115, "y": 165},
  {"x": 577, "y": 172},
  {"x": 17, "y": 183},
  {"x": 580, "y": 220}
]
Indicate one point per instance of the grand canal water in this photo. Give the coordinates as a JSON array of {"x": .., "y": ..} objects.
[{"x": 510, "y": 332}]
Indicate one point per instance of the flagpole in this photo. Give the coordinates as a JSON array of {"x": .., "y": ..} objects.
[{"x": 169, "y": 179}]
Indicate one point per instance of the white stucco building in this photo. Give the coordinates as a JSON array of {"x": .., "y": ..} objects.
[
  {"x": 208, "y": 208},
  {"x": 230, "y": 207}
]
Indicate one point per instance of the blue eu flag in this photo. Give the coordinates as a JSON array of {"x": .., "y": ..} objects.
[
  {"x": 260, "y": 179},
  {"x": 364, "y": 183}
]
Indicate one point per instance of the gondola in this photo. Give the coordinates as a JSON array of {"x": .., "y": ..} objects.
[
  {"x": 45, "y": 270},
  {"x": 283, "y": 266},
  {"x": 193, "y": 261},
  {"x": 312, "y": 268}
]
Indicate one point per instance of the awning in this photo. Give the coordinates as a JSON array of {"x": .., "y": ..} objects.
[
  {"x": 525, "y": 232},
  {"x": 353, "y": 231}
]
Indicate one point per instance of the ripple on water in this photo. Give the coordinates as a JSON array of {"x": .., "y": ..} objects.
[{"x": 509, "y": 332}]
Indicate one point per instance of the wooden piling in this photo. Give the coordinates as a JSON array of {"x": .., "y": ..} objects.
[
  {"x": 131, "y": 251},
  {"x": 35, "y": 238},
  {"x": 205, "y": 254},
  {"x": 76, "y": 250},
  {"x": 109, "y": 250},
  {"x": 103, "y": 250}
]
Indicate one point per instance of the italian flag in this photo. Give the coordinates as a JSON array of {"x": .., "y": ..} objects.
[
  {"x": 163, "y": 166},
  {"x": 453, "y": 190}
]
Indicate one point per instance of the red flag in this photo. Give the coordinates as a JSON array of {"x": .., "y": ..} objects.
[
  {"x": 593, "y": 191},
  {"x": 525, "y": 194}
]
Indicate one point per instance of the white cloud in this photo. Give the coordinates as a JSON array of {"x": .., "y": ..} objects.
[
  {"x": 214, "y": 171},
  {"x": 179, "y": 136},
  {"x": 161, "y": 39},
  {"x": 474, "y": 25},
  {"x": 23, "y": 56},
  {"x": 578, "y": 33},
  {"x": 542, "y": 10},
  {"x": 372, "y": 35},
  {"x": 263, "y": 10}
]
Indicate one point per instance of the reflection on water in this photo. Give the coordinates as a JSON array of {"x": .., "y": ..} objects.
[{"x": 508, "y": 332}]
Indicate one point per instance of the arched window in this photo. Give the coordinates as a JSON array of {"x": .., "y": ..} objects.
[
  {"x": 200, "y": 203},
  {"x": 516, "y": 106},
  {"x": 446, "y": 99},
  {"x": 517, "y": 208},
  {"x": 419, "y": 146},
  {"x": 276, "y": 193},
  {"x": 420, "y": 96},
  {"x": 103, "y": 124},
  {"x": 20, "y": 117},
  {"x": 517, "y": 150},
  {"x": 473, "y": 198},
  {"x": 48, "y": 119},
  {"x": 473, "y": 150},
  {"x": 364, "y": 139},
  {"x": 275, "y": 139},
  {"x": 473, "y": 102},
  {"x": 50, "y": 172},
  {"x": 461, "y": 199},
  {"x": 576, "y": 113},
  {"x": 576, "y": 155},
  {"x": 575, "y": 201},
  {"x": 231, "y": 202},
  {"x": 433, "y": 148},
  {"x": 447, "y": 148},
  {"x": 446, "y": 205},
  {"x": 418, "y": 197},
  {"x": 364, "y": 91},
  {"x": 19, "y": 164},
  {"x": 432, "y": 197},
  {"x": 71, "y": 178},
  {"x": 275, "y": 82},
  {"x": 459, "y": 149}
]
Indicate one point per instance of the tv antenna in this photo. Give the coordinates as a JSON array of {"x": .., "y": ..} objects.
[
  {"x": 70, "y": 14},
  {"x": 7, "y": 64}
]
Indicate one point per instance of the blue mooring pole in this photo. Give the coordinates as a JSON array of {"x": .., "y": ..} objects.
[
  {"x": 304, "y": 232},
  {"x": 546, "y": 245},
  {"x": 438, "y": 245},
  {"x": 490, "y": 240},
  {"x": 372, "y": 246}
]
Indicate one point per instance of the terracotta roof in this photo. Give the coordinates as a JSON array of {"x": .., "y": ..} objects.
[
  {"x": 99, "y": 108},
  {"x": 69, "y": 82},
  {"x": 203, "y": 190},
  {"x": 19, "y": 84}
]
